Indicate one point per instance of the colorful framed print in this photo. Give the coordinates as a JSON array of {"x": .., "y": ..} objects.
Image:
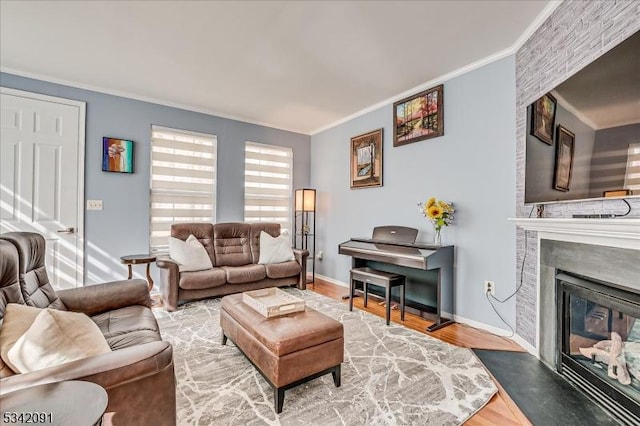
[
  {"x": 419, "y": 117},
  {"x": 543, "y": 118},
  {"x": 117, "y": 155},
  {"x": 565, "y": 141},
  {"x": 366, "y": 160}
]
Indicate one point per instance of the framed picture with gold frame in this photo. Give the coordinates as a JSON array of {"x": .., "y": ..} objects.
[
  {"x": 366, "y": 160},
  {"x": 543, "y": 118},
  {"x": 565, "y": 141}
]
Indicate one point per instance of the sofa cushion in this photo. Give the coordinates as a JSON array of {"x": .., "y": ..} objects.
[
  {"x": 232, "y": 244},
  {"x": 202, "y": 231},
  {"x": 190, "y": 254},
  {"x": 203, "y": 279},
  {"x": 282, "y": 270},
  {"x": 17, "y": 320},
  {"x": 245, "y": 274},
  {"x": 272, "y": 229},
  {"x": 128, "y": 326},
  {"x": 275, "y": 249},
  {"x": 57, "y": 337}
]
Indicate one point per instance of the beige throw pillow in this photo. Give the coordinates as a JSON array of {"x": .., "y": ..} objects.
[
  {"x": 17, "y": 320},
  {"x": 275, "y": 249},
  {"x": 57, "y": 337},
  {"x": 190, "y": 254}
]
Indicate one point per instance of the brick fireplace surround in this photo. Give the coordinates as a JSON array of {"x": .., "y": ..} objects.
[{"x": 575, "y": 34}]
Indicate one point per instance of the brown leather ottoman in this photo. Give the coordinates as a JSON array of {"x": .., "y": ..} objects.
[{"x": 287, "y": 350}]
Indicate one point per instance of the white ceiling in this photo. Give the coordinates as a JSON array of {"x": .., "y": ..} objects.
[
  {"x": 606, "y": 93},
  {"x": 293, "y": 65}
]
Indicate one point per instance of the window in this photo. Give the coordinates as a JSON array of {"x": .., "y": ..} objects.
[
  {"x": 632, "y": 176},
  {"x": 183, "y": 181},
  {"x": 268, "y": 172}
]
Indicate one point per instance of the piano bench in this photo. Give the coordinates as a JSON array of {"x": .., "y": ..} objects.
[{"x": 369, "y": 276}]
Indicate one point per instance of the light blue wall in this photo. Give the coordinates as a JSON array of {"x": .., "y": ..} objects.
[
  {"x": 472, "y": 165},
  {"x": 122, "y": 227}
]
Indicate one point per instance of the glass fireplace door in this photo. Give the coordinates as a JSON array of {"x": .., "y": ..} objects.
[{"x": 599, "y": 335}]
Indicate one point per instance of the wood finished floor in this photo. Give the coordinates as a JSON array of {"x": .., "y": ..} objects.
[{"x": 500, "y": 410}]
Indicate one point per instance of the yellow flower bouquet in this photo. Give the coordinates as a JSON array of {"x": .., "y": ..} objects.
[{"x": 440, "y": 213}]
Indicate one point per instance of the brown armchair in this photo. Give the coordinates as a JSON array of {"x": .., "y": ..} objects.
[{"x": 138, "y": 374}]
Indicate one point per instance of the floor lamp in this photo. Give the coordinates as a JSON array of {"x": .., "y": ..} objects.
[{"x": 305, "y": 227}]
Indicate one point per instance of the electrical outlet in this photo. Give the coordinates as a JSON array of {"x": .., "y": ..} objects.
[
  {"x": 94, "y": 204},
  {"x": 319, "y": 255},
  {"x": 489, "y": 287}
]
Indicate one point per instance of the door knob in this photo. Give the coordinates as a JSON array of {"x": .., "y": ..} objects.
[{"x": 67, "y": 231}]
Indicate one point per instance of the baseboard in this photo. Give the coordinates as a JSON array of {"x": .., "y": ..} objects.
[
  {"x": 331, "y": 280},
  {"x": 482, "y": 326},
  {"x": 460, "y": 319},
  {"x": 526, "y": 345}
]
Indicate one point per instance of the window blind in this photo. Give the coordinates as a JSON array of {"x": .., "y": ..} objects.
[
  {"x": 268, "y": 174},
  {"x": 183, "y": 181},
  {"x": 632, "y": 175}
]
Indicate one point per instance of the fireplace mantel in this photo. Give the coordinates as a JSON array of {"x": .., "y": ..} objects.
[{"x": 620, "y": 232}]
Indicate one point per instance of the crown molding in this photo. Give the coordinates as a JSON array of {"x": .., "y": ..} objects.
[
  {"x": 421, "y": 87},
  {"x": 130, "y": 95},
  {"x": 573, "y": 110},
  {"x": 538, "y": 21},
  {"x": 542, "y": 16}
]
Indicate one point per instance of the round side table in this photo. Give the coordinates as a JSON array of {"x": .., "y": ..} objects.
[
  {"x": 139, "y": 259},
  {"x": 64, "y": 403}
]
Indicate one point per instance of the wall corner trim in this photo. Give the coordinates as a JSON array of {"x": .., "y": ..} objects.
[
  {"x": 532, "y": 28},
  {"x": 526, "y": 345}
]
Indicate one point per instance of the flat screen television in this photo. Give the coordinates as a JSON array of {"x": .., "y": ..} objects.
[{"x": 583, "y": 137}]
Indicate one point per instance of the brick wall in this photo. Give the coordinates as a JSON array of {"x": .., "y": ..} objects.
[{"x": 575, "y": 34}]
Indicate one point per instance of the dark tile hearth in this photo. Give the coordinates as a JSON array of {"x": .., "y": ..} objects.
[{"x": 542, "y": 395}]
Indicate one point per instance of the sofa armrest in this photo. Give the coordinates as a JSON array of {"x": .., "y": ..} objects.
[
  {"x": 99, "y": 298},
  {"x": 301, "y": 257},
  {"x": 169, "y": 281},
  {"x": 108, "y": 370}
]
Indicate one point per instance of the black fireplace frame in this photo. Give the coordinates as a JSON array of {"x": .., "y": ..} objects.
[{"x": 617, "y": 404}]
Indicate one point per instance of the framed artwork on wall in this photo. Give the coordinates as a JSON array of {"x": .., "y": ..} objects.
[
  {"x": 366, "y": 160},
  {"x": 565, "y": 141},
  {"x": 117, "y": 155},
  {"x": 419, "y": 117},
  {"x": 543, "y": 118}
]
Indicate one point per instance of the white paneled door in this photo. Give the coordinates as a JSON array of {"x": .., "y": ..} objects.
[{"x": 41, "y": 177}]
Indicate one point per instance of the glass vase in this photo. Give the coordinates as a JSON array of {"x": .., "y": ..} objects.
[{"x": 437, "y": 237}]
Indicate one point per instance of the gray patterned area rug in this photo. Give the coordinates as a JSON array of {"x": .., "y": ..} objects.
[{"x": 391, "y": 375}]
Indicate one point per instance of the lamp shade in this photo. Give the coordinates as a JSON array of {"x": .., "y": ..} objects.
[{"x": 306, "y": 200}]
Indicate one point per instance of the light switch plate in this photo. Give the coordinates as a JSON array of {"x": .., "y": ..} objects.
[{"x": 94, "y": 204}]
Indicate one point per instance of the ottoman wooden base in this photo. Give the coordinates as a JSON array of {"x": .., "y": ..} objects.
[{"x": 287, "y": 350}]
